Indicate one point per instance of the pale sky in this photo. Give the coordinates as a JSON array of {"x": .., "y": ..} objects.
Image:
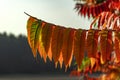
[{"x": 60, "y": 12}]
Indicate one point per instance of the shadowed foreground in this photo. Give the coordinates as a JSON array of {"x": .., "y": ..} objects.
[
  {"x": 16, "y": 58},
  {"x": 17, "y": 62},
  {"x": 38, "y": 77}
]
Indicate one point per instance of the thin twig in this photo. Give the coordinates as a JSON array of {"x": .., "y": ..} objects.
[
  {"x": 27, "y": 14},
  {"x": 82, "y": 29}
]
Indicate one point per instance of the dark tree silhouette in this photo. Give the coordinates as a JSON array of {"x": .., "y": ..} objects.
[{"x": 16, "y": 57}]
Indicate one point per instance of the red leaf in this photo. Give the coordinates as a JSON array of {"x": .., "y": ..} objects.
[
  {"x": 99, "y": 22},
  {"x": 114, "y": 25},
  {"x": 92, "y": 13},
  {"x": 85, "y": 10},
  {"x": 117, "y": 45},
  {"x": 80, "y": 11},
  {"x": 46, "y": 34},
  {"x": 103, "y": 18},
  {"x": 93, "y": 10},
  {"x": 110, "y": 20},
  {"x": 89, "y": 12},
  {"x": 56, "y": 43},
  {"x": 109, "y": 44},
  {"x": 67, "y": 47},
  {"x": 106, "y": 45},
  {"x": 92, "y": 43},
  {"x": 79, "y": 45},
  {"x": 96, "y": 10}
]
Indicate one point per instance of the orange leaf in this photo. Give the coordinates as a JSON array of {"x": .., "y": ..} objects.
[
  {"x": 42, "y": 51},
  {"x": 60, "y": 60},
  {"x": 102, "y": 19},
  {"x": 93, "y": 62},
  {"x": 92, "y": 43},
  {"x": 117, "y": 45},
  {"x": 46, "y": 34},
  {"x": 56, "y": 43},
  {"x": 106, "y": 45},
  {"x": 33, "y": 28},
  {"x": 109, "y": 45},
  {"x": 114, "y": 24},
  {"x": 67, "y": 47},
  {"x": 79, "y": 45},
  {"x": 103, "y": 43},
  {"x": 110, "y": 20},
  {"x": 41, "y": 48},
  {"x": 30, "y": 21}
]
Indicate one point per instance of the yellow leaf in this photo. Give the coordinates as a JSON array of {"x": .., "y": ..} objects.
[
  {"x": 92, "y": 60},
  {"x": 46, "y": 34},
  {"x": 30, "y": 21},
  {"x": 33, "y": 28}
]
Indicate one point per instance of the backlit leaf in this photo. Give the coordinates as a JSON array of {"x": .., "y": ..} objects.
[
  {"x": 106, "y": 46},
  {"x": 94, "y": 8},
  {"x": 33, "y": 34},
  {"x": 67, "y": 47},
  {"x": 30, "y": 21},
  {"x": 85, "y": 63},
  {"x": 117, "y": 45},
  {"x": 79, "y": 45},
  {"x": 46, "y": 38},
  {"x": 106, "y": 20},
  {"x": 56, "y": 43},
  {"x": 92, "y": 43}
]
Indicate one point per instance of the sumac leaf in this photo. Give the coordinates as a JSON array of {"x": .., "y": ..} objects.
[
  {"x": 56, "y": 43},
  {"x": 67, "y": 47},
  {"x": 79, "y": 45},
  {"x": 92, "y": 43},
  {"x": 106, "y": 46}
]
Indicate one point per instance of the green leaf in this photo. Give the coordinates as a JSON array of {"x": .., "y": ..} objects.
[
  {"x": 33, "y": 35},
  {"x": 85, "y": 63}
]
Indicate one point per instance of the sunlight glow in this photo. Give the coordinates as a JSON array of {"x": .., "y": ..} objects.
[{"x": 13, "y": 19}]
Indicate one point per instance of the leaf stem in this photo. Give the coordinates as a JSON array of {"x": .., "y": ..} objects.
[{"x": 27, "y": 14}]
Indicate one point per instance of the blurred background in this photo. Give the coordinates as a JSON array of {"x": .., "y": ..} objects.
[
  {"x": 17, "y": 61},
  {"x": 59, "y": 12},
  {"x": 15, "y": 54},
  {"x": 16, "y": 58}
]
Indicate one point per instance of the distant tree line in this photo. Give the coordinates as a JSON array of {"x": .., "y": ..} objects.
[{"x": 16, "y": 58}]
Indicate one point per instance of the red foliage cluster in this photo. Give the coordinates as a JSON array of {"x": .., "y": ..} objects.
[{"x": 96, "y": 8}]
